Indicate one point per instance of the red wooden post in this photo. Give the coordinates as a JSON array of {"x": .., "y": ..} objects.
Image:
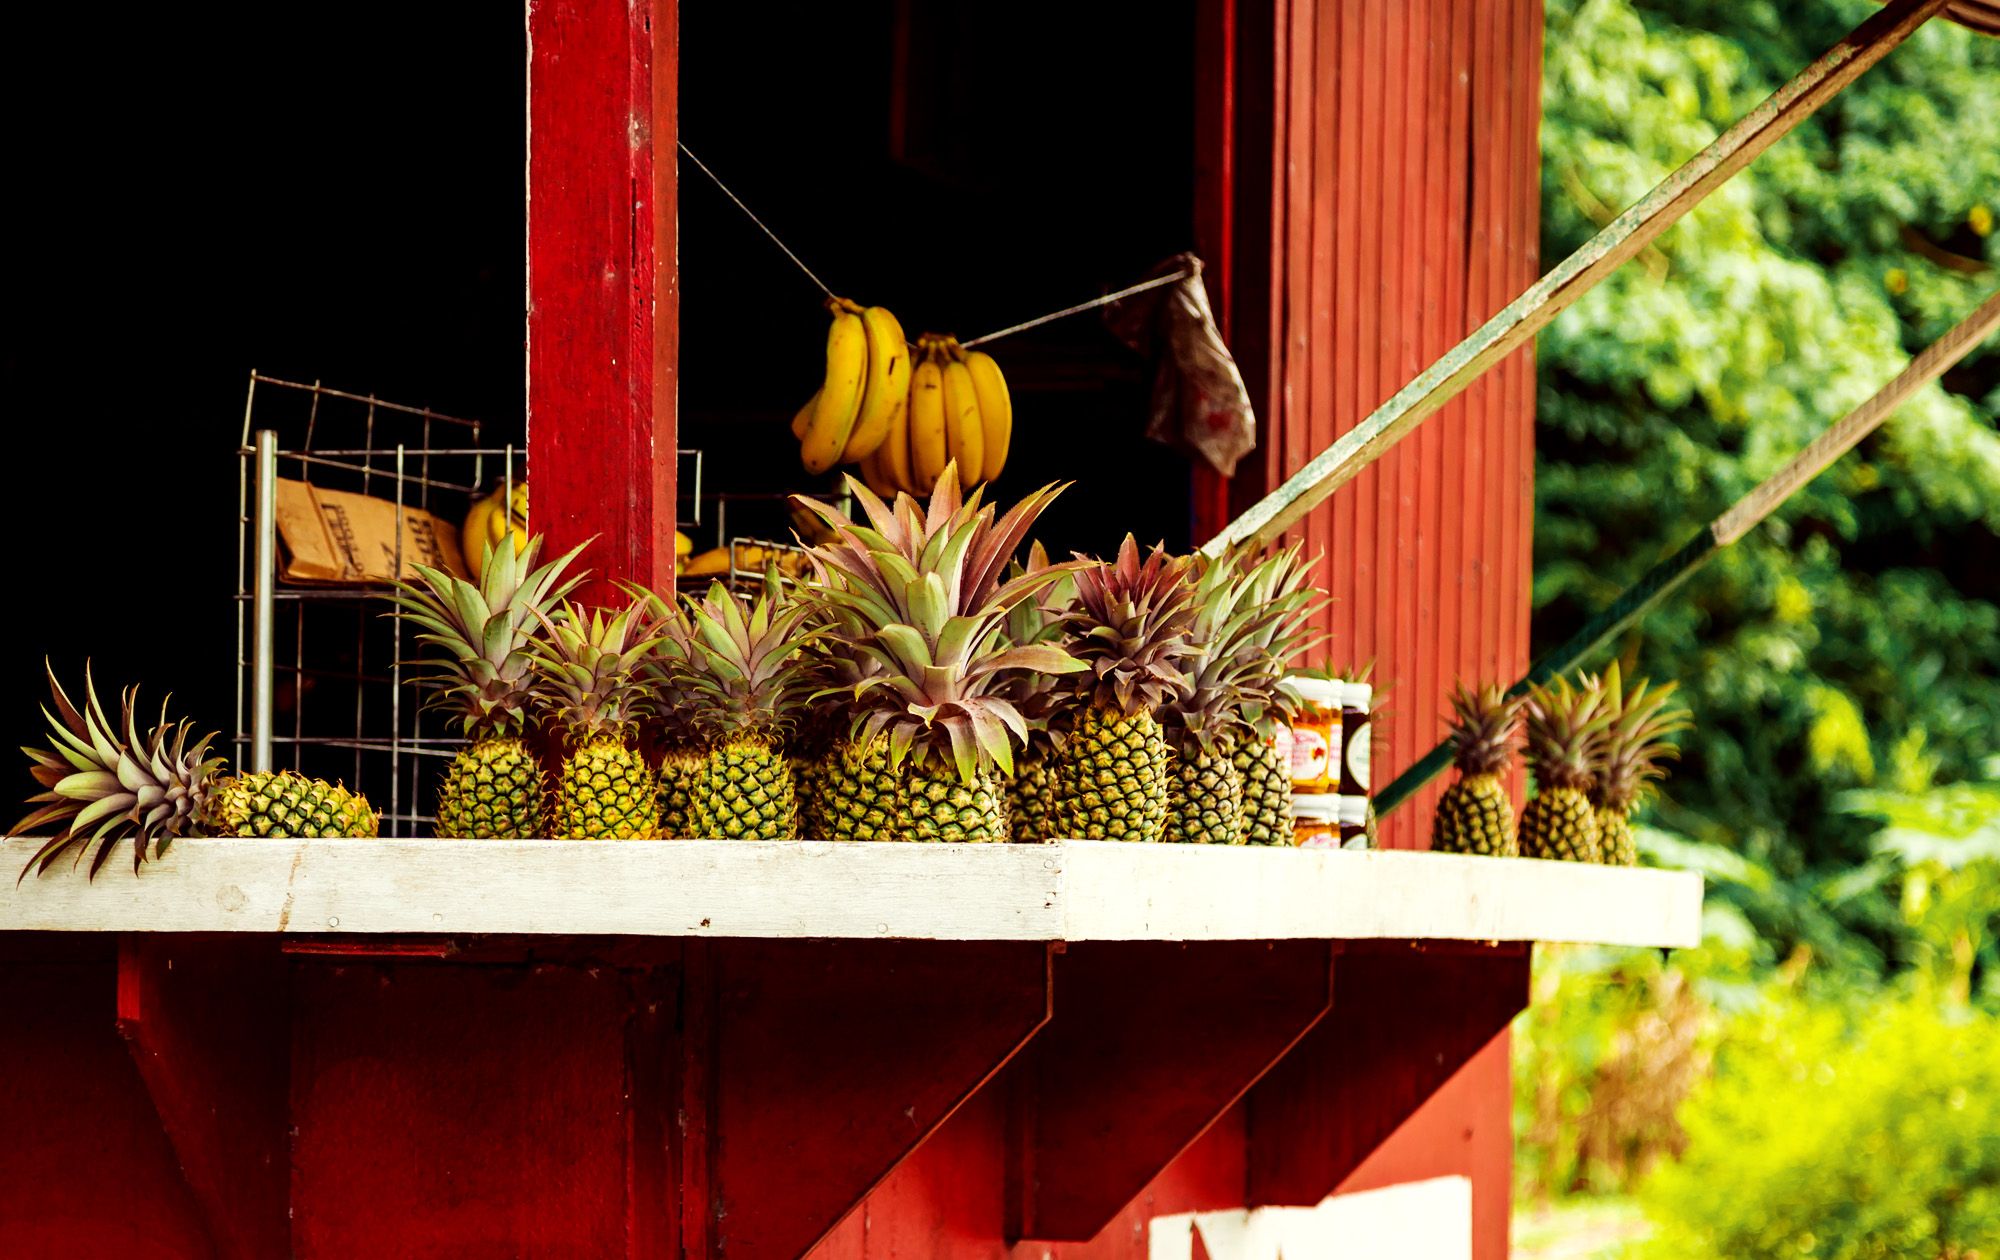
[{"x": 603, "y": 306}]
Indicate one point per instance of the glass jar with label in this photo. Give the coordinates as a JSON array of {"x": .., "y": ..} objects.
[
  {"x": 1316, "y": 821},
  {"x": 1350, "y": 773},
  {"x": 1316, "y": 735},
  {"x": 1352, "y": 812}
]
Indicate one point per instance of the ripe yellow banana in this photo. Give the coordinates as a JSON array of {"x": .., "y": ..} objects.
[
  {"x": 804, "y": 418},
  {"x": 929, "y": 448},
  {"x": 875, "y": 477},
  {"x": 961, "y": 411},
  {"x": 472, "y": 534},
  {"x": 996, "y": 409},
  {"x": 840, "y": 396},
  {"x": 888, "y": 387}
]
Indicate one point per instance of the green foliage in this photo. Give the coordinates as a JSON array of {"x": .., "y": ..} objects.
[
  {"x": 1862, "y": 621},
  {"x": 1829, "y": 1135}
]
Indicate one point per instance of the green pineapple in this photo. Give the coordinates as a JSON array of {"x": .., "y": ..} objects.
[
  {"x": 750, "y": 675},
  {"x": 588, "y": 680},
  {"x": 1565, "y": 733},
  {"x": 1635, "y": 745},
  {"x": 1130, "y": 628},
  {"x": 1250, "y": 617},
  {"x": 918, "y": 602},
  {"x": 683, "y": 756},
  {"x": 1474, "y": 815},
  {"x": 482, "y": 672},
  {"x": 104, "y": 783},
  {"x": 1031, "y": 790}
]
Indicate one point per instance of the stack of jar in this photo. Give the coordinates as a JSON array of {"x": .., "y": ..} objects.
[{"x": 1328, "y": 745}]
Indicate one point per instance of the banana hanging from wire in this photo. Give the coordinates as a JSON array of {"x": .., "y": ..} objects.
[
  {"x": 838, "y": 403},
  {"x": 996, "y": 409},
  {"x": 888, "y": 389},
  {"x": 930, "y": 447},
  {"x": 966, "y": 434}
]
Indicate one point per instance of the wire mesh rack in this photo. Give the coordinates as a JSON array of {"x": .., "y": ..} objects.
[{"x": 322, "y": 685}]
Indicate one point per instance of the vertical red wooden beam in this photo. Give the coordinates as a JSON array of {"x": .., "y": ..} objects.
[
  {"x": 1214, "y": 210},
  {"x": 603, "y": 308}
]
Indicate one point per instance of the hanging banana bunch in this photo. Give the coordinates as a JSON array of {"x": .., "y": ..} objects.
[{"x": 902, "y": 423}]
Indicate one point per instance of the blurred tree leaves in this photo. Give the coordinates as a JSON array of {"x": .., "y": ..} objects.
[{"x": 1861, "y": 623}]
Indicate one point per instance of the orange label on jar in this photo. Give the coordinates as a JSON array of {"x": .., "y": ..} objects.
[
  {"x": 1309, "y": 756},
  {"x": 1320, "y": 837}
]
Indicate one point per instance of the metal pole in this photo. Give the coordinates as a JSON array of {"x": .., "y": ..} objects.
[
  {"x": 1576, "y": 275},
  {"x": 1834, "y": 441},
  {"x": 263, "y": 603}
]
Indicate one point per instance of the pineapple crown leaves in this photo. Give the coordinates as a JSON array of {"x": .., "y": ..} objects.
[
  {"x": 103, "y": 782},
  {"x": 1484, "y": 723},
  {"x": 921, "y": 597},
  {"x": 1035, "y": 621},
  {"x": 1635, "y": 743},
  {"x": 1132, "y": 625},
  {"x": 587, "y": 670},
  {"x": 483, "y": 634},
  {"x": 664, "y": 622},
  {"x": 1252, "y": 614},
  {"x": 1566, "y": 730},
  {"x": 746, "y": 667}
]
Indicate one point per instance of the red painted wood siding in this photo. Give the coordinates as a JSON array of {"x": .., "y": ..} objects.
[
  {"x": 1391, "y": 207},
  {"x": 603, "y": 311}
]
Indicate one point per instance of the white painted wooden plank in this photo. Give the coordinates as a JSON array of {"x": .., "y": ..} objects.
[
  {"x": 1416, "y": 1220},
  {"x": 1195, "y": 892},
  {"x": 1074, "y": 890},
  {"x": 655, "y": 888}
]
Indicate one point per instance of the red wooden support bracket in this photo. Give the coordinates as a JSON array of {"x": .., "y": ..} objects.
[
  {"x": 483, "y": 1110},
  {"x": 814, "y": 1068},
  {"x": 1405, "y": 1018},
  {"x": 204, "y": 1019},
  {"x": 603, "y": 307},
  {"x": 1150, "y": 1044}
]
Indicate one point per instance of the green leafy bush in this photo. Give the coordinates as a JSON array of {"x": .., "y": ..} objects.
[{"x": 1831, "y": 1135}]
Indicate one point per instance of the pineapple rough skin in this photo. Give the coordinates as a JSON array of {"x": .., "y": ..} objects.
[
  {"x": 606, "y": 792},
  {"x": 1475, "y": 816},
  {"x": 941, "y": 809},
  {"x": 1111, "y": 780},
  {"x": 748, "y": 793},
  {"x": 857, "y": 794},
  {"x": 1206, "y": 803},
  {"x": 492, "y": 791},
  {"x": 1560, "y": 823},
  {"x": 1267, "y": 792},
  {"x": 680, "y": 775},
  {"x": 1615, "y": 846},
  {"x": 283, "y": 805},
  {"x": 1030, "y": 799}
]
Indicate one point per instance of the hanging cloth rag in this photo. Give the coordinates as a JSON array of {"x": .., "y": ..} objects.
[{"x": 1200, "y": 406}]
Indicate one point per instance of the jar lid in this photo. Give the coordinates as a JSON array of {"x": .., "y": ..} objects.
[
  {"x": 1324, "y": 693},
  {"x": 1358, "y": 695},
  {"x": 1353, "y": 810},
  {"x": 1315, "y": 808}
]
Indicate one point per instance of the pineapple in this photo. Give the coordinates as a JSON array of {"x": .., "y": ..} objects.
[
  {"x": 1565, "y": 733},
  {"x": 1634, "y": 746},
  {"x": 919, "y": 611},
  {"x": 750, "y": 677},
  {"x": 1474, "y": 814},
  {"x": 1250, "y": 617},
  {"x": 103, "y": 783},
  {"x": 482, "y": 672},
  {"x": 588, "y": 680},
  {"x": 1031, "y": 790},
  {"x": 1131, "y": 628},
  {"x": 683, "y": 757}
]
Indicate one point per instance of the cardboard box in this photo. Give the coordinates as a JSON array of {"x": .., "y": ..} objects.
[{"x": 335, "y": 537}]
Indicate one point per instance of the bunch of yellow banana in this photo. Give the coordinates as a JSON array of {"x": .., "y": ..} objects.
[
  {"x": 490, "y": 521},
  {"x": 903, "y": 424}
]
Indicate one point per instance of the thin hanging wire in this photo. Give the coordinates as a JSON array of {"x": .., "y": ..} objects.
[
  {"x": 754, "y": 219},
  {"x": 1156, "y": 282}
]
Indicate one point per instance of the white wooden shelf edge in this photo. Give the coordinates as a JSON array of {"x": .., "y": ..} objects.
[{"x": 1070, "y": 890}]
